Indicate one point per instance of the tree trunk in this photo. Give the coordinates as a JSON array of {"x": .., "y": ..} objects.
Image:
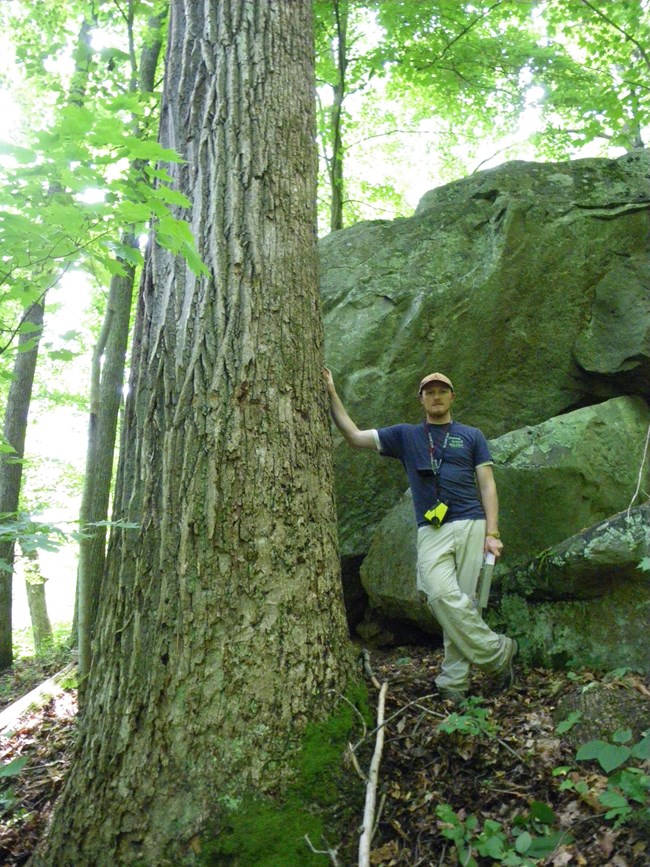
[
  {"x": 336, "y": 164},
  {"x": 35, "y": 588},
  {"x": 20, "y": 392},
  {"x": 11, "y": 466},
  {"x": 107, "y": 380},
  {"x": 221, "y": 628}
]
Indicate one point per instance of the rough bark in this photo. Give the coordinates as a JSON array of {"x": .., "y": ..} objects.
[
  {"x": 221, "y": 628},
  {"x": 107, "y": 379},
  {"x": 11, "y": 466}
]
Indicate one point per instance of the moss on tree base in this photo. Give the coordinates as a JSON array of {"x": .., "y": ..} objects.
[{"x": 271, "y": 831}]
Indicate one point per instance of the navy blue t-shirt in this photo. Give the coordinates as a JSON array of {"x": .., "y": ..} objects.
[{"x": 466, "y": 449}]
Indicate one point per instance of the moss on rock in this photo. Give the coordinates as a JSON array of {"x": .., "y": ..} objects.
[{"x": 595, "y": 633}]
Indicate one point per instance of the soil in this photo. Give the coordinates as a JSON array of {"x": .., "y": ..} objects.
[{"x": 488, "y": 782}]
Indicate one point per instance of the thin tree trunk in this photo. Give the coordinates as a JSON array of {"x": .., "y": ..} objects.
[
  {"x": 35, "y": 588},
  {"x": 336, "y": 163},
  {"x": 107, "y": 381},
  {"x": 221, "y": 630},
  {"x": 20, "y": 392},
  {"x": 11, "y": 465}
]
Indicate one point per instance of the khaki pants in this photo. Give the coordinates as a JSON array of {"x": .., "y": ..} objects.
[{"x": 450, "y": 559}]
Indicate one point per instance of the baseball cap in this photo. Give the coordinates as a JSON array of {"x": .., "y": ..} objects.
[{"x": 435, "y": 377}]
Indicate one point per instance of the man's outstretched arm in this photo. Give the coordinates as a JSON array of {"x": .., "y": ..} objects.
[{"x": 359, "y": 439}]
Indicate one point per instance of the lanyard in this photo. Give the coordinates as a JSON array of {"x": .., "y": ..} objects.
[{"x": 436, "y": 463}]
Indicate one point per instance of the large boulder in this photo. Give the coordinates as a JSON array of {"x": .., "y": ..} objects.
[
  {"x": 528, "y": 284},
  {"x": 593, "y": 563},
  {"x": 586, "y": 601},
  {"x": 554, "y": 479},
  {"x": 607, "y": 633},
  {"x": 567, "y": 473}
]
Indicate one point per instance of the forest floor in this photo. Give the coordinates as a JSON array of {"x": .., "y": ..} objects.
[{"x": 490, "y": 782}]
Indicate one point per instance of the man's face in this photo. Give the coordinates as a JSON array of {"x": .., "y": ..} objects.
[{"x": 437, "y": 399}]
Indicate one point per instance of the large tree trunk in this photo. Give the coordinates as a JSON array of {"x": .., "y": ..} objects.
[
  {"x": 221, "y": 626},
  {"x": 11, "y": 465}
]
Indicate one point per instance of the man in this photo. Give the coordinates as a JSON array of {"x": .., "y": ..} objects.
[{"x": 449, "y": 469}]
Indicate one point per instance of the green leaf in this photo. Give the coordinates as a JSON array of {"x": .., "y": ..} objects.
[
  {"x": 523, "y": 842},
  {"x": 542, "y": 812},
  {"x": 62, "y": 355},
  {"x": 13, "y": 767},
  {"x": 613, "y": 799},
  {"x": 542, "y": 847},
  {"x": 29, "y": 328},
  {"x": 607, "y": 755},
  {"x": 644, "y": 565},
  {"x": 635, "y": 784},
  {"x": 622, "y": 736},
  {"x": 568, "y": 723},
  {"x": 493, "y": 847},
  {"x": 641, "y": 750},
  {"x": 149, "y": 150}
]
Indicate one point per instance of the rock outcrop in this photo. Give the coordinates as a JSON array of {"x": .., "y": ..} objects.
[{"x": 528, "y": 284}]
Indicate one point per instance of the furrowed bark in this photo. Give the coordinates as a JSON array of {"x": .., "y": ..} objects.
[{"x": 221, "y": 626}]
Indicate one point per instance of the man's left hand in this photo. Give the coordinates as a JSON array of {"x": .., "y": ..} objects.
[{"x": 494, "y": 546}]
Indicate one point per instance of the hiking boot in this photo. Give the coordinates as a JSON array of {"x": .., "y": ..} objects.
[
  {"x": 506, "y": 677},
  {"x": 455, "y": 696}
]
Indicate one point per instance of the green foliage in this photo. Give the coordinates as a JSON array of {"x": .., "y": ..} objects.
[
  {"x": 66, "y": 199},
  {"x": 270, "y": 832},
  {"x": 10, "y": 769},
  {"x": 32, "y": 667},
  {"x": 73, "y": 182},
  {"x": 627, "y": 795},
  {"x": 533, "y": 837},
  {"x": 567, "y": 724},
  {"x": 539, "y": 80},
  {"x": 32, "y": 535},
  {"x": 474, "y": 720}
]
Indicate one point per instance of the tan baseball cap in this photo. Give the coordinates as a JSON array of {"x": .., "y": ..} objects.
[{"x": 435, "y": 377}]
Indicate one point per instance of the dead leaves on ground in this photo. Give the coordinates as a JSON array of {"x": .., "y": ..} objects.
[
  {"x": 44, "y": 737},
  {"x": 493, "y": 772},
  {"x": 494, "y": 769}
]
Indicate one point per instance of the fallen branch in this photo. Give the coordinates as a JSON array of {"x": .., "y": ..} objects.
[
  {"x": 382, "y": 804},
  {"x": 397, "y": 713},
  {"x": 355, "y": 764},
  {"x": 371, "y": 787},
  {"x": 331, "y": 852},
  {"x": 11, "y": 715},
  {"x": 367, "y": 668}
]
